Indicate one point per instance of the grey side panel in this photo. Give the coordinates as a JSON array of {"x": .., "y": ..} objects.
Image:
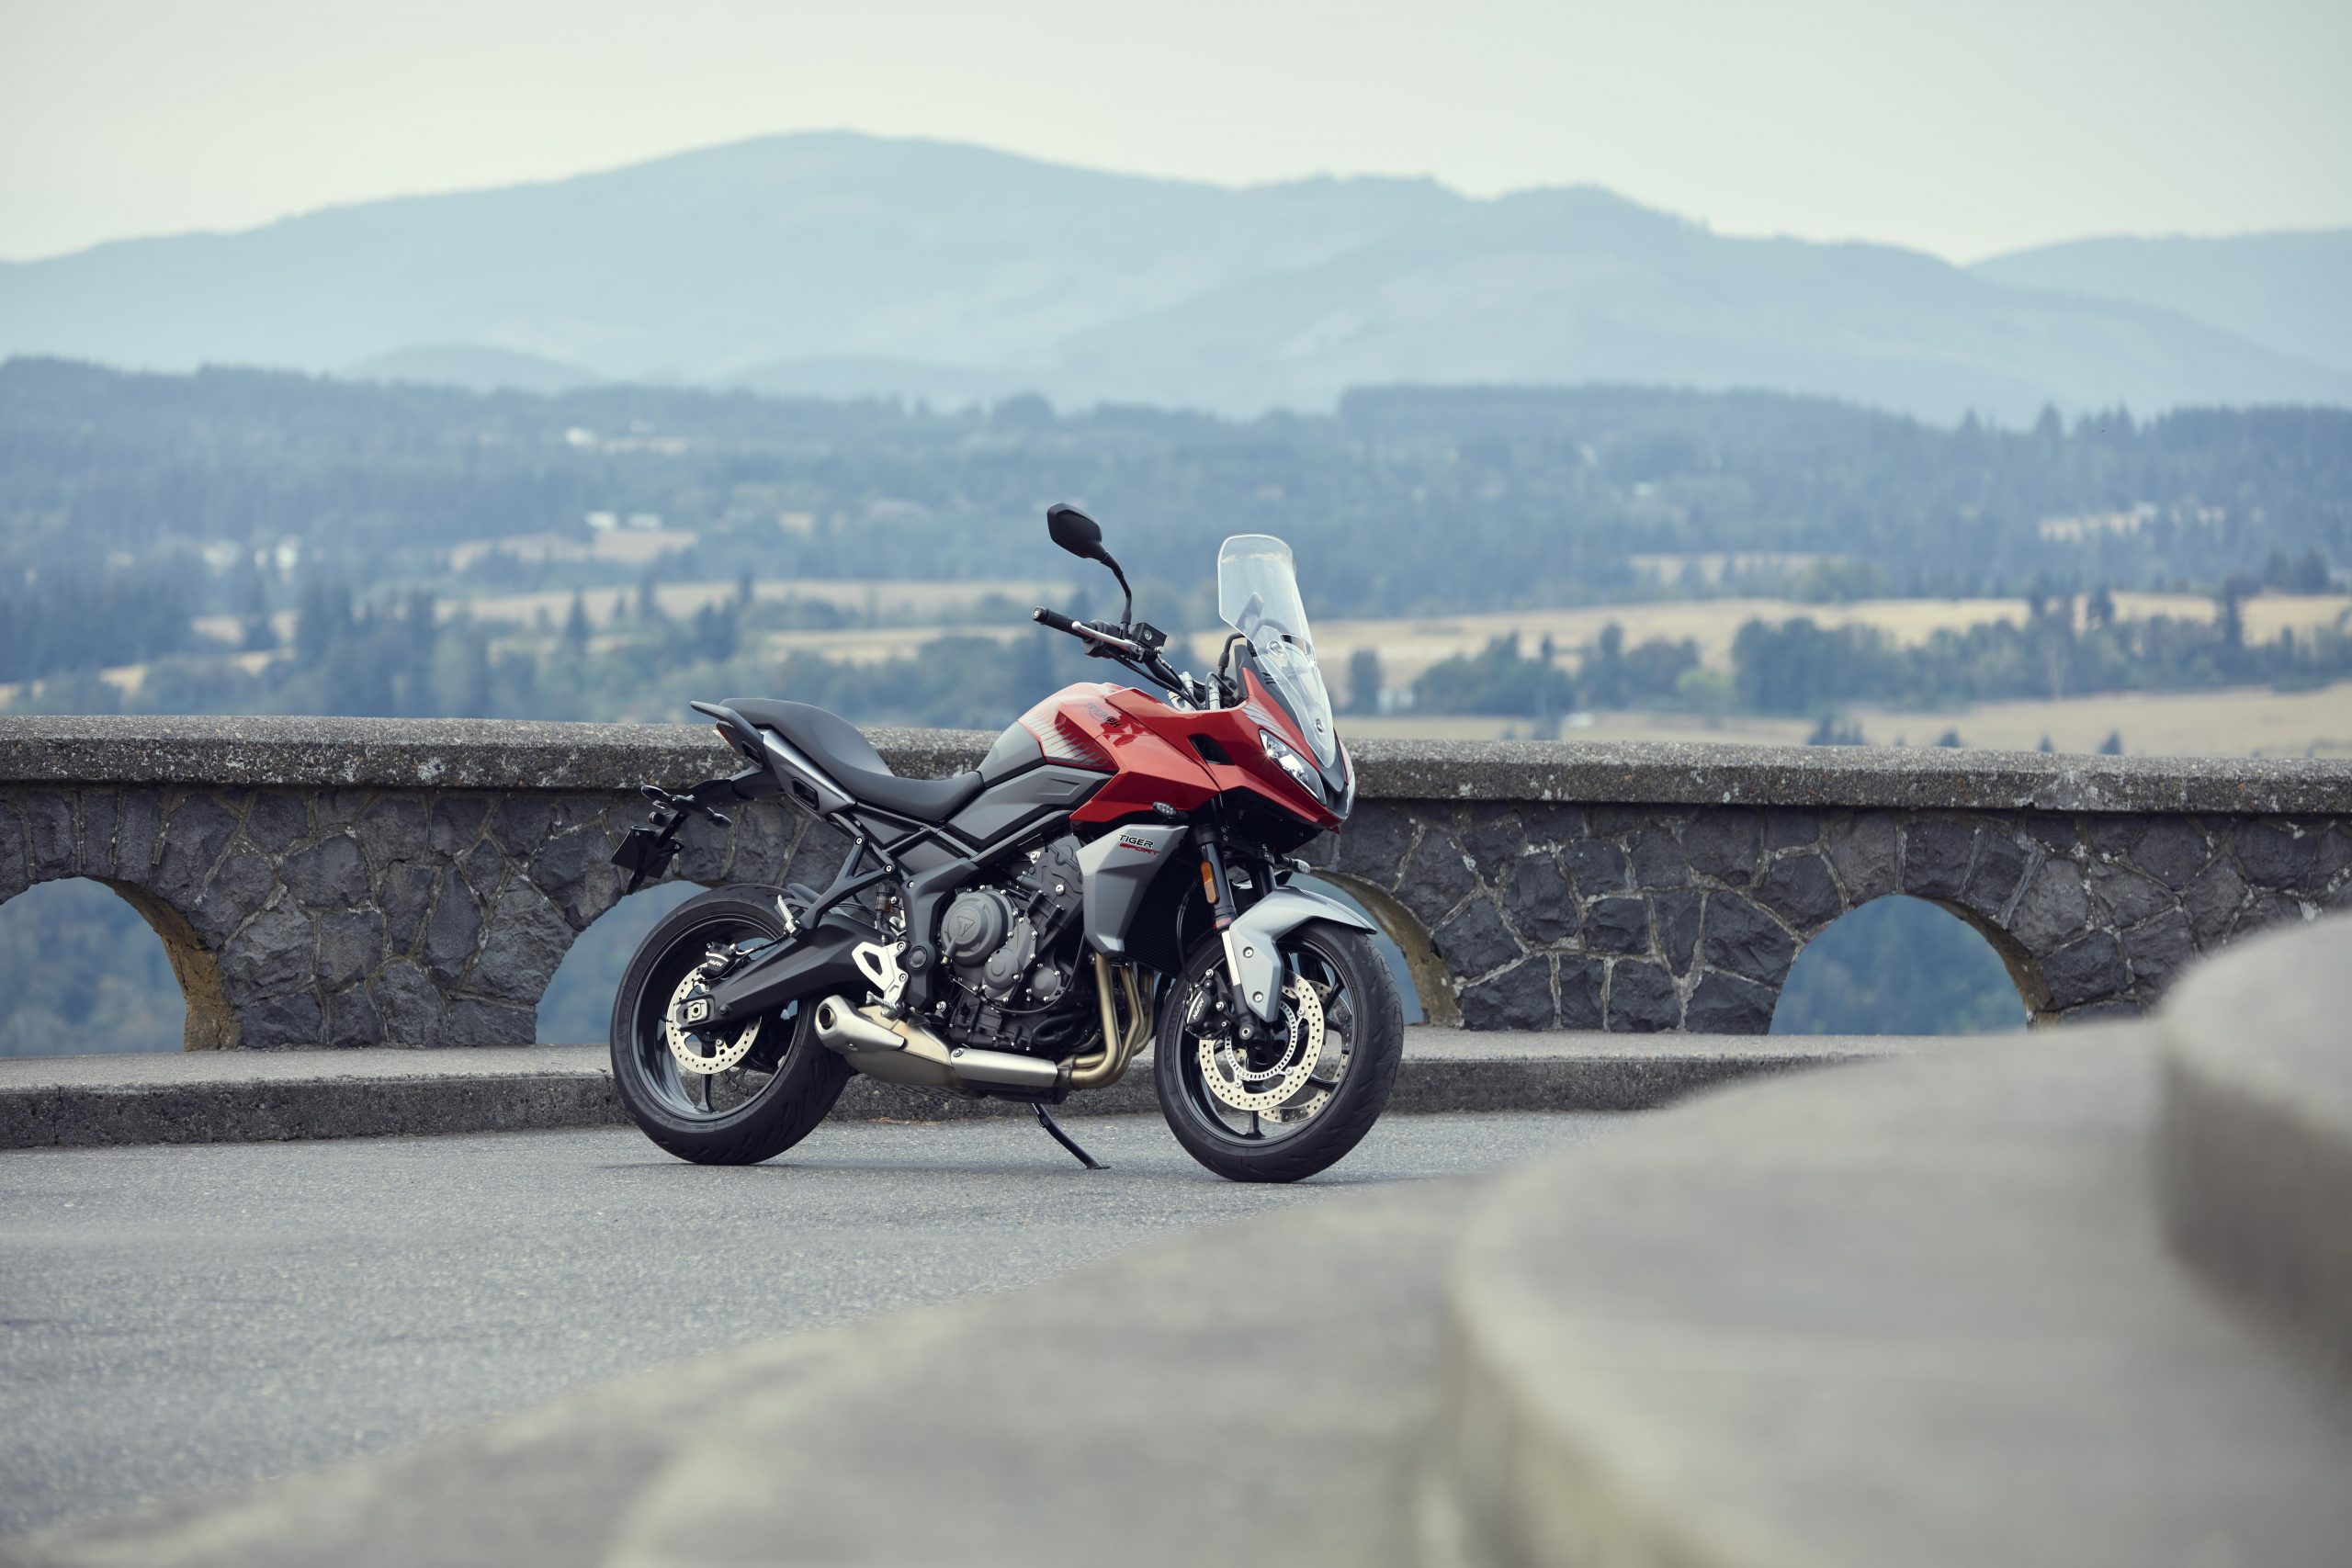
[
  {"x": 1114, "y": 871},
  {"x": 1001, "y": 807},
  {"x": 928, "y": 855},
  {"x": 1262, "y": 925},
  {"x": 791, "y": 762},
  {"x": 1014, "y": 750}
]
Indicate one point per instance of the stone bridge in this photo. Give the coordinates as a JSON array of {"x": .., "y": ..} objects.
[{"x": 378, "y": 882}]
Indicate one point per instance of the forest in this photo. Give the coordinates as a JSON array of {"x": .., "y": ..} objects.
[
  {"x": 407, "y": 658},
  {"x": 131, "y": 503}
]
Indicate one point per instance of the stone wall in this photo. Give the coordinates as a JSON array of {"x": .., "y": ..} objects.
[
  {"x": 1642, "y": 918},
  {"x": 416, "y": 882}
]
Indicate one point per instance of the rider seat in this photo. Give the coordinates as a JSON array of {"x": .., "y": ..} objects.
[{"x": 834, "y": 744}]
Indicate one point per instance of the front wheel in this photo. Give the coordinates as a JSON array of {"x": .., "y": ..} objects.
[
  {"x": 1293, "y": 1100},
  {"x": 731, "y": 1097}
]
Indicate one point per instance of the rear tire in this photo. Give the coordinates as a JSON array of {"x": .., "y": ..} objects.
[
  {"x": 786, "y": 1081},
  {"x": 1238, "y": 1145}
]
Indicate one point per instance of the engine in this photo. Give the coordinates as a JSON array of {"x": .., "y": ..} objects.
[{"x": 1013, "y": 947}]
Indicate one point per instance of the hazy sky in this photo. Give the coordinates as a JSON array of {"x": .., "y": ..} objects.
[{"x": 1961, "y": 128}]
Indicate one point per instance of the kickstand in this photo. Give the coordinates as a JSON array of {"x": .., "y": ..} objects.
[{"x": 1065, "y": 1140}]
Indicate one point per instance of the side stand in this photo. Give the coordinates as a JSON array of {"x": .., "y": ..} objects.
[{"x": 1065, "y": 1140}]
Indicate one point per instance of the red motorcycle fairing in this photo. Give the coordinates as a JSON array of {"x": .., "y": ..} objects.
[
  {"x": 1184, "y": 759},
  {"x": 1159, "y": 755}
]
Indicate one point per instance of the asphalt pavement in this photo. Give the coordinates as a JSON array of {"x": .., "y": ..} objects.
[{"x": 175, "y": 1318}]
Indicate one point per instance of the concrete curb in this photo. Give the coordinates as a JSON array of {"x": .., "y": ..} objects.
[
  {"x": 248, "y": 1097},
  {"x": 2255, "y": 1160}
]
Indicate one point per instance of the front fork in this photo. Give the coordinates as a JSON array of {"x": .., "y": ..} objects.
[{"x": 1219, "y": 886}]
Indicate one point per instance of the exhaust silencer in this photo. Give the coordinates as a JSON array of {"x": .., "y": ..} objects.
[
  {"x": 902, "y": 1050},
  {"x": 839, "y": 1028}
]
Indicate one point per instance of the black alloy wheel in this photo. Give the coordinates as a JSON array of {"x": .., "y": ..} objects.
[
  {"x": 1280, "y": 1104},
  {"x": 767, "y": 1083}
]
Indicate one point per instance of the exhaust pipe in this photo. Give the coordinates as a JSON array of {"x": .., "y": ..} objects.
[
  {"x": 840, "y": 1029},
  {"x": 902, "y": 1050}
]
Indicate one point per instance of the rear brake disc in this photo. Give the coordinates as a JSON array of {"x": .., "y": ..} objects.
[{"x": 687, "y": 1046}]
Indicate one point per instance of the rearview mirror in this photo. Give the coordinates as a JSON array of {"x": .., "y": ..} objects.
[
  {"x": 1076, "y": 532},
  {"x": 1083, "y": 537}
]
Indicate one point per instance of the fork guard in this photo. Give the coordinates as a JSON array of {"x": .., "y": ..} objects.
[{"x": 1256, "y": 931}]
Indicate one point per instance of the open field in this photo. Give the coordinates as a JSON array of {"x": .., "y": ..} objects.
[
  {"x": 1408, "y": 646},
  {"x": 2242, "y": 721}
]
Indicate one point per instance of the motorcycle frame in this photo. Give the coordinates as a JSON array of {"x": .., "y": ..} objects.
[{"x": 1159, "y": 765}]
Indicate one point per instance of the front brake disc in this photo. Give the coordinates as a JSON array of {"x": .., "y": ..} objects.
[{"x": 1230, "y": 1078}]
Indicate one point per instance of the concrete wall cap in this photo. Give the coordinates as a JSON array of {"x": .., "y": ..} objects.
[
  {"x": 1822, "y": 1321},
  {"x": 2256, "y": 1149},
  {"x": 512, "y": 754}
]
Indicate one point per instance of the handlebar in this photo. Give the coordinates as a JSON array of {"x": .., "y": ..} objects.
[
  {"x": 1144, "y": 658},
  {"x": 1062, "y": 623}
]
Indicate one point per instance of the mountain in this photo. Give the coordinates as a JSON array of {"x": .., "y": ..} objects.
[
  {"x": 474, "y": 368},
  {"x": 870, "y": 376},
  {"x": 2289, "y": 292},
  {"x": 839, "y": 261}
]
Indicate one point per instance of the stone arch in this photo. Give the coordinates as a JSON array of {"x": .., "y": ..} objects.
[
  {"x": 1770, "y": 881},
  {"x": 1433, "y": 984},
  {"x": 211, "y": 1024},
  {"x": 1871, "y": 921},
  {"x": 566, "y": 884},
  {"x": 2024, "y": 968},
  {"x": 2080, "y": 929},
  {"x": 118, "y": 839},
  {"x": 194, "y": 969},
  {"x": 595, "y": 959}
]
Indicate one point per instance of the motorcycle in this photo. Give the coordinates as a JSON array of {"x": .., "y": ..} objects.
[{"x": 1116, "y": 875}]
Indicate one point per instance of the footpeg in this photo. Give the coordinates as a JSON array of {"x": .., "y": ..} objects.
[{"x": 1065, "y": 1140}]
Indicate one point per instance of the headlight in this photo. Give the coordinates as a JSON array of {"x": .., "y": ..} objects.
[{"x": 1290, "y": 762}]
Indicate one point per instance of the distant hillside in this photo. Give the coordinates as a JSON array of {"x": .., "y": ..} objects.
[
  {"x": 474, "y": 368},
  {"x": 2289, "y": 292},
  {"x": 842, "y": 264}
]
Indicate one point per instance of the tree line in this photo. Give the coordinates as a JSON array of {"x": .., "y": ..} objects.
[
  {"x": 421, "y": 657},
  {"x": 241, "y": 487}
]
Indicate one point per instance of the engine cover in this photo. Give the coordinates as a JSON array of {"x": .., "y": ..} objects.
[
  {"x": 976, "y": 925},
  {"x": 1010, "y": 946},
  {"x": 1009, "y": 966}
]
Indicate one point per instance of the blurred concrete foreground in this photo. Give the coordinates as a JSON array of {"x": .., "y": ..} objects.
[{"x": 2082, "y": 1298}]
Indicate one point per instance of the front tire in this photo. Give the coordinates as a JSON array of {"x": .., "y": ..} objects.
[
  {"x": 1314, "y": 1107},
  {"x": 780, "y": 1084}
]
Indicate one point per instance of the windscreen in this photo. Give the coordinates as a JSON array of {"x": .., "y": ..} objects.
[{"x": 1257, "y": 596}]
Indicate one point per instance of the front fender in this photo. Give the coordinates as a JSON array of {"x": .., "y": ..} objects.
[{"x": 1255, "y": 933}]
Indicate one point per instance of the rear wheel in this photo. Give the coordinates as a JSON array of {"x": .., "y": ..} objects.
[
  {"x": 1286, "y": 1102},
  {"x": 731, "y": 1097}
]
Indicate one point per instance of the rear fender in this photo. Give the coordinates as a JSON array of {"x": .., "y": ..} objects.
[{"x": 1255, "y": 934}]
